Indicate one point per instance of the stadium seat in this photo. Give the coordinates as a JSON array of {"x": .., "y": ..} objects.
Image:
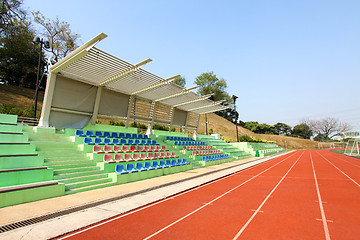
[
  {"x": 107, "y": 141},
  {"x": 140, "y": 136},
  {"x": 98, "y": 134},
  {"x": 121, "y": 135},
  {"x": 137, "y": 142},
  {"x": 114, "y": 135},
  {"x": 80, "y": 133},
  {"x": 130, "y": 168},
  {"x": 123, "y": 141},
  {"x": 127, "y": 157},
  {"x": 173, "y": 155},
  {"x": 184, "y": 162},
  {"x": 150, "y": 155},
  {"x": 135, "y": 157},
  {"x": 117, "y": 149},
  {"x": 108, "y": 149},
  {"x": 158, "y": 148},
  {"x": 99, "y": 141},
  {"x": 88, "y": 141},
  {"x": 124, "y": 148},
  {"x": 147, "y": 166},
  {"x": 161, "y": 164},
  {"x": 162, "y": 155},
  {"x": 163, "y": 148},
  {"x": 127, "y": 135},
  {"x": 146, "y": 148},
  {"x": 134, "y": 135},
  {"x": 108, "y": 158},
  {"x": 143, "y": 142},
  {"x": 143, "y": 156},
  {"x": 167, "y": 155},
  {"x": 130, "y": 142},
  {"x": 90, "y": 134},
  {"x": 119, "y": 169},
  {"x": 154, "y": 165},
  {"x": 174, "y": 163},
  {"x": 140, "y": 149},
  {"x": 115, "y": 141},
  {"x": 152, "y": 148},
  {"x": 139, "y": 167},
  {"x": 132, "y": 148},
  {"x": 167, "y": 163},
  {"x": 146, "y": 137},
  {"x": 179, "y": 162},
  {"x": 148, "y": 142},
  {"x": 118, "y": 158},
  {"x": 106, "y": 135},
  {"x": 97, "y": 149}
]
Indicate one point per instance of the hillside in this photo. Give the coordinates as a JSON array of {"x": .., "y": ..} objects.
[{"x": 24, "y": 98}]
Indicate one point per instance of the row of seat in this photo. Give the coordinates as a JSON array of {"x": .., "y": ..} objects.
[
  {"x": 214, "y": 157},
  {"x": 126, "y": 148},
  {"x": 129, "y": 157},
  {"x": 179, "y": 138},
  {"x": 190, "y": 143},
  {"x": 100, "y": 134},
  {"x": 116, "y": 141},
  {"x": 209, "y": 152},
  {"x": 147, "y": 166},
  {"x": 191, "y": 148}
]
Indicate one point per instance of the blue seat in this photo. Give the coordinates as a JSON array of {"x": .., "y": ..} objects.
[
  {"x": 107, "y": 141},
  {"x": 167, "y": 138},
  {"x": 123, "y": 141},
  {"x": 174, "y": 163},
  {"x": 80, "y": 133},
  {"x": 121, "y": 135},
  {"x": 154, "y": 142},
  {"x": 154, "y": 165},
  {"x": 137, "y": 142},
  {"x": 119, "y": 169},
  {"x": 146, "y": 136},
  {"x": 98, "y": 141},
  {"x": 134, "y": 135},
  {"x": 88, "y": 141},
  {"x": 115, "y": 141},
  {"x": 179, "y": 162},
  {"x": 143, "y": 142},
  {"x": 114, "y": 135},
  {"x": 148, "y": 142},
  {"x": 107, "y": 135},
  {"x": 139, "y": 167},
  {"x": 168, "y": 163},
  {"x": 90, "y": 134},
  {"x": 128, "y": 135},
  {"x": 184, "y": 162},
  {"x": 176, "y": 143},
  {"x": 130, "y": 168},
  {"x": 147, "y": 166},
  {"x": 130, "y": 142},
  {"x": 140, "y": 136},
  {"x": 161, "y": 164},
  {"x": 98, "y": 134}
]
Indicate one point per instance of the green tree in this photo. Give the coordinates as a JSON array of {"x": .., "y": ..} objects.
[
  {"x": 282, "y": 128},
  {"x": 181, "y": 81},
  {"x": 302, "y": 130},
  {"x": 252, "y": 126},
  {"x": 210, "y": 83},
  {"x": 58, "y": 33},
  {"x": 11, "y": 13},
  {"x": 264, "y": 129}
]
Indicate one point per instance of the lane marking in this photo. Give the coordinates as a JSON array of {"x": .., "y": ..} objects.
[
  {"x": 347, "y": 161},
  {"x": 331, "y": 221},
  {"x": 262, "y": 204},
  {"x": 222, "y": 195},
  {"x": 323, "y": 217},
  {"x": 340, "y": 170},
  {"x": 166, "y": 199}
]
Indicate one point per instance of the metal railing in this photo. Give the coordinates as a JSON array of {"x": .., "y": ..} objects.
[{"x": 27, "y": 121}]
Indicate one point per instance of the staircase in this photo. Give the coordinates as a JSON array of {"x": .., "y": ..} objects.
[{"x": 70, "y": 165}]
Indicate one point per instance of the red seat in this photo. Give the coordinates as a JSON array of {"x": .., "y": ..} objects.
[
  {"x": 143, "y": 156},
  {"x": 127, "y": 157},
  {"x": 168, "y": 154},
  {"x": 158, "y": 148},
  {"x": 162, "y": 155},
  {"x": 140, "y": 149},
  {"x": 146, "y": 148},
  {"x": 108, "y": 149},
  {"x": 118, "y": 158},
  {"x": 135, "y": 157},
  {"x": 97, "y": 149},
  {"x": 150, "y": 155},
  {"x": 173, "y": 155},
  {"x": 124, "y": 148},
  {"x": 163, "y": 148},
  {"x": 108, "y": 158},
  {"x": 117, "y": 149},
  {"x": 156, "y": 155},
  {"x": 133, "y": 148},
  {"x": 152, "y": 148}
]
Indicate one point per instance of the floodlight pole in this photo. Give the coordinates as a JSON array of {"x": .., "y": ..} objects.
[
  {"x": 206, "y": 122},
  {"x": 236, "y": 118},
  {"x": 46, "y": 44}
]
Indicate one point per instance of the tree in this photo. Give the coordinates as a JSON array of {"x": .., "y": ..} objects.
[
  {"x": 180, "y": 81},
  {"x": 252, "y": 126},
  {"x": 302, "y": 130},
  {"x": 58, "y": 33},
  {"x": 329, "y": 127},
  {"x": 264, "y": 129},
  {"x": 281, "y": 128},
  {"x": 11, "y": 14},
  {"x": 210, "y": 83}
]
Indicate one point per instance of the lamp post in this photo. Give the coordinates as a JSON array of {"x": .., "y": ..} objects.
[
  {"x": 206, "y": 123},
  {"x": 46, "y": 44},
  {"x": 236, "y": 117}
]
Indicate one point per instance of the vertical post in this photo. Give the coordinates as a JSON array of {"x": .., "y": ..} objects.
[
  {"x": 171, "y": 118},
  {"x": 96, "y": 106},
  {"x": 131, "y": 101},
  {"x": 206, "y": 122},
  {"x": 37, "y": 81},
  {"x": 48, "y": 97},
  {"x": 149, "y": 131},
  {"x": 236, "y": 117},
  {"x": 197, "y": 127},
  {"x": 186, "y": 121}
]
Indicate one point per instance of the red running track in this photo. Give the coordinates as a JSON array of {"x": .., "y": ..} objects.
[{"x": 312, "y": 194}]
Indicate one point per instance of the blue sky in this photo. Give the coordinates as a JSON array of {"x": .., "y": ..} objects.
[{"x": 285, "y": 60}]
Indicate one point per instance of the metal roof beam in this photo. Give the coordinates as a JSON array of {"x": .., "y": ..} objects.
[
  {"x": 124, "y": 73},
  {"x": 216, "y": 110},
  {"x": 185, "y": 91},
  {"x": 213, "y": 104},
  {"x": 77, "y": 54},
  {"x": 196, "y": 100},
  {"x": 156, "y": 85}
]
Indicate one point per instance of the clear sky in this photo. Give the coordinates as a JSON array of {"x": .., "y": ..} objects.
[{"x": 285, "y": 60}]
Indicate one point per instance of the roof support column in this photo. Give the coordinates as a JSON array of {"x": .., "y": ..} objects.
[
  {"x": 46, "y": 107},
  {"x": 131, "y": 101},
  {"x": 149, "y": 130},
  {"x": 186, "y": 121},
  {"x": 172, "y": 110},
  {"x": 96, "y": 106},
  {"x": 197, "y": 127}
]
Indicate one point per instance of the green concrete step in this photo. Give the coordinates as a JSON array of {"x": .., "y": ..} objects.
[
  {"x": 69, "y": 162},
  {"x": 83, "y": 189},
  {"x": 17, "y": 149},
  {"x": 87, "y": 183},
  {"x": 8, "y": 119},
  {"x": 11, "y": 128},
  {"x": 75, "y": 170},
  {"x": 77, "y": 174},
  {"x": 85, "y": 178},
  {"x": 71, "y": 166},
  {"x": 13, "y": 138}
]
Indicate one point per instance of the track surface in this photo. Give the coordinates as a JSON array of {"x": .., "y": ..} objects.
[{"x": 312, "y": 194}]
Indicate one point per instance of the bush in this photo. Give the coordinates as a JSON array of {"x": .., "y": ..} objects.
[
  {"x": 122, "y": 124},
  {"x": 246, "y": 138},
  {"x": 138, "y": 125},
  {"x": 160, "y": 127},
  {"x": 10, "y": 109},
  {"x": 227, "y": 139}
]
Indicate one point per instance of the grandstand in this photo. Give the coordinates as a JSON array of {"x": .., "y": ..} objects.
[
  {"x": 258, "y": 149},
  {"x": 69, "y": 153}
]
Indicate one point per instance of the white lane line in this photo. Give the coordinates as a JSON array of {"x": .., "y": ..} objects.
[
  {"x": 161, "y": 201},
  {"x": 347, "y": 162},
  {"x": 222, "y": 195},
  {"x": 323, "y": 217},
  {"x": 340, "y": 170},
  {"x": 262, "y": 204}
]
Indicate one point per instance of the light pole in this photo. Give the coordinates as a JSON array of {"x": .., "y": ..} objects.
[
  {"x": 236, "y": 117},
  {"x": 206, "y": 123},
  {"x": 46, "y": 44}
]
